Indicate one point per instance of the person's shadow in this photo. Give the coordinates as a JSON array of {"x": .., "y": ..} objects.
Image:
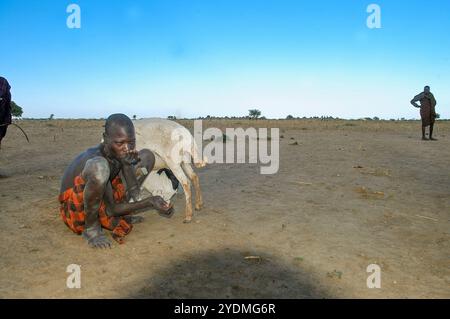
[{"x": 229, "y": 274}]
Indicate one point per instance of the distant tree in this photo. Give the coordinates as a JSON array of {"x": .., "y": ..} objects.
[
  {"x": 134, "y": 117},
  {"x": 289, "y": 117},
  {"x": 376, "y": 118},
  {"x": 254, "y": 114},
  {"x": 171, "y": 117},
  {"x": 52, "y": 116},
  {"x": 438, "y": 116},
  {"x": 16, "y": 110}
]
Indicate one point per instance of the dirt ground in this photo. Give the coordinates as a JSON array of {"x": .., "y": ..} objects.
[{"x": 349, "y": 194}]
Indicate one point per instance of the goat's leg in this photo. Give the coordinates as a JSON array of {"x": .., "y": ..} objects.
[
  {"x": 187, "y": 168},
  {"x": 186, "y": 184}
]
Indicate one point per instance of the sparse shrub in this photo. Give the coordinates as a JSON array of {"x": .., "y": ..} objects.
[
  {"x": 16, "y": 110},
  {"x": 254, "y": 114}
]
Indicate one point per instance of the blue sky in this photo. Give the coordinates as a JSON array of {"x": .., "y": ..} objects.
[{"x": 222, "y": 57}]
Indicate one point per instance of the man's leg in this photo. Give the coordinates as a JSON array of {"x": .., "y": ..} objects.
[
  {"x": 423, "y": 133},
  {"x": 431, "y": 132},
  {"x": 96, "y": 174}
]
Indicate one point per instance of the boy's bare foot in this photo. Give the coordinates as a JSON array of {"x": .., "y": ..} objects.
[{"x": 96, "y": 238}]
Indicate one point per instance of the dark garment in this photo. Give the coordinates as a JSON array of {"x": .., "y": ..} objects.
[
  {"x": 5, "y": 106},
  {"x": 427, "y": 108},
  {"x": 73, "y": 214},
  {"x": 4, "y": 86}
]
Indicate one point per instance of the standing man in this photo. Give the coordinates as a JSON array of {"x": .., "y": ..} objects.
[
  {"x": 5, "y": 107},
  {"x": 427, "y": 110}
]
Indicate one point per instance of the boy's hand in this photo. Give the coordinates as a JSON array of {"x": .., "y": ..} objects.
[{"x": 132, "y": 158}]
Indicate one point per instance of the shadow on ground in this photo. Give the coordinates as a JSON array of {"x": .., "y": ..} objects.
[{"x": 228, "y": 274}]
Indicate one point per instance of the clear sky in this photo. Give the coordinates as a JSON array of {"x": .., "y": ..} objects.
[{"x": 194, "y": 58}]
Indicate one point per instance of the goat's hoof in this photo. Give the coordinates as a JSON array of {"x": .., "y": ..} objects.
[
  {"x": 198, "y": 206},
  {"x": 187, "y": 220}
]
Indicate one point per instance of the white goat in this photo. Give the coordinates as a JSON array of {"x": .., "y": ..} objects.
[{"x": 163, "y": 137}]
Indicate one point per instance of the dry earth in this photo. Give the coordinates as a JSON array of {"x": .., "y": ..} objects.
[{"x": 349, "y": 194}]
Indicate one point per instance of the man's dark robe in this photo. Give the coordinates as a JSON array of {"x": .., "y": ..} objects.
[
  {"x": 427, "y": 108},
  {"x": 5, "y": 107}
]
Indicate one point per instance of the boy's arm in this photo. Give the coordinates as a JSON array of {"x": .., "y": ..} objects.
[
  {"x": 416, "y": 99},
  {"x": 122, "y": 209}
]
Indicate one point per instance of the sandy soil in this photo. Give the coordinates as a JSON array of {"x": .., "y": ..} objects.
[{"x": 348, "y": 195}]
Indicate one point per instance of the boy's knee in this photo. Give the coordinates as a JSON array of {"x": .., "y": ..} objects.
[
  {"x": 97, "y": 170},
  {"x": 147, "y": 157}
]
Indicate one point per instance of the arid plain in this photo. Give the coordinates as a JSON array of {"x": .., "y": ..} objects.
[{"x": 348, "y": 194}]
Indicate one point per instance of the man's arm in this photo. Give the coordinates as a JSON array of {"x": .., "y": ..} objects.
[
  {"x": 416, "y": 99},
  {"x": 98, "y": 188},
  {"x": 129, "y": 174},
  {"x": 122, "y": 209}
]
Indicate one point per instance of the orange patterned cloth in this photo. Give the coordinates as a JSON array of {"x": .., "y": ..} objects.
[{"x": 73, "y": 214}]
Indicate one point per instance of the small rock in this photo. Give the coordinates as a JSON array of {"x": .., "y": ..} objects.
[{"x": 253, "y": 258}]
